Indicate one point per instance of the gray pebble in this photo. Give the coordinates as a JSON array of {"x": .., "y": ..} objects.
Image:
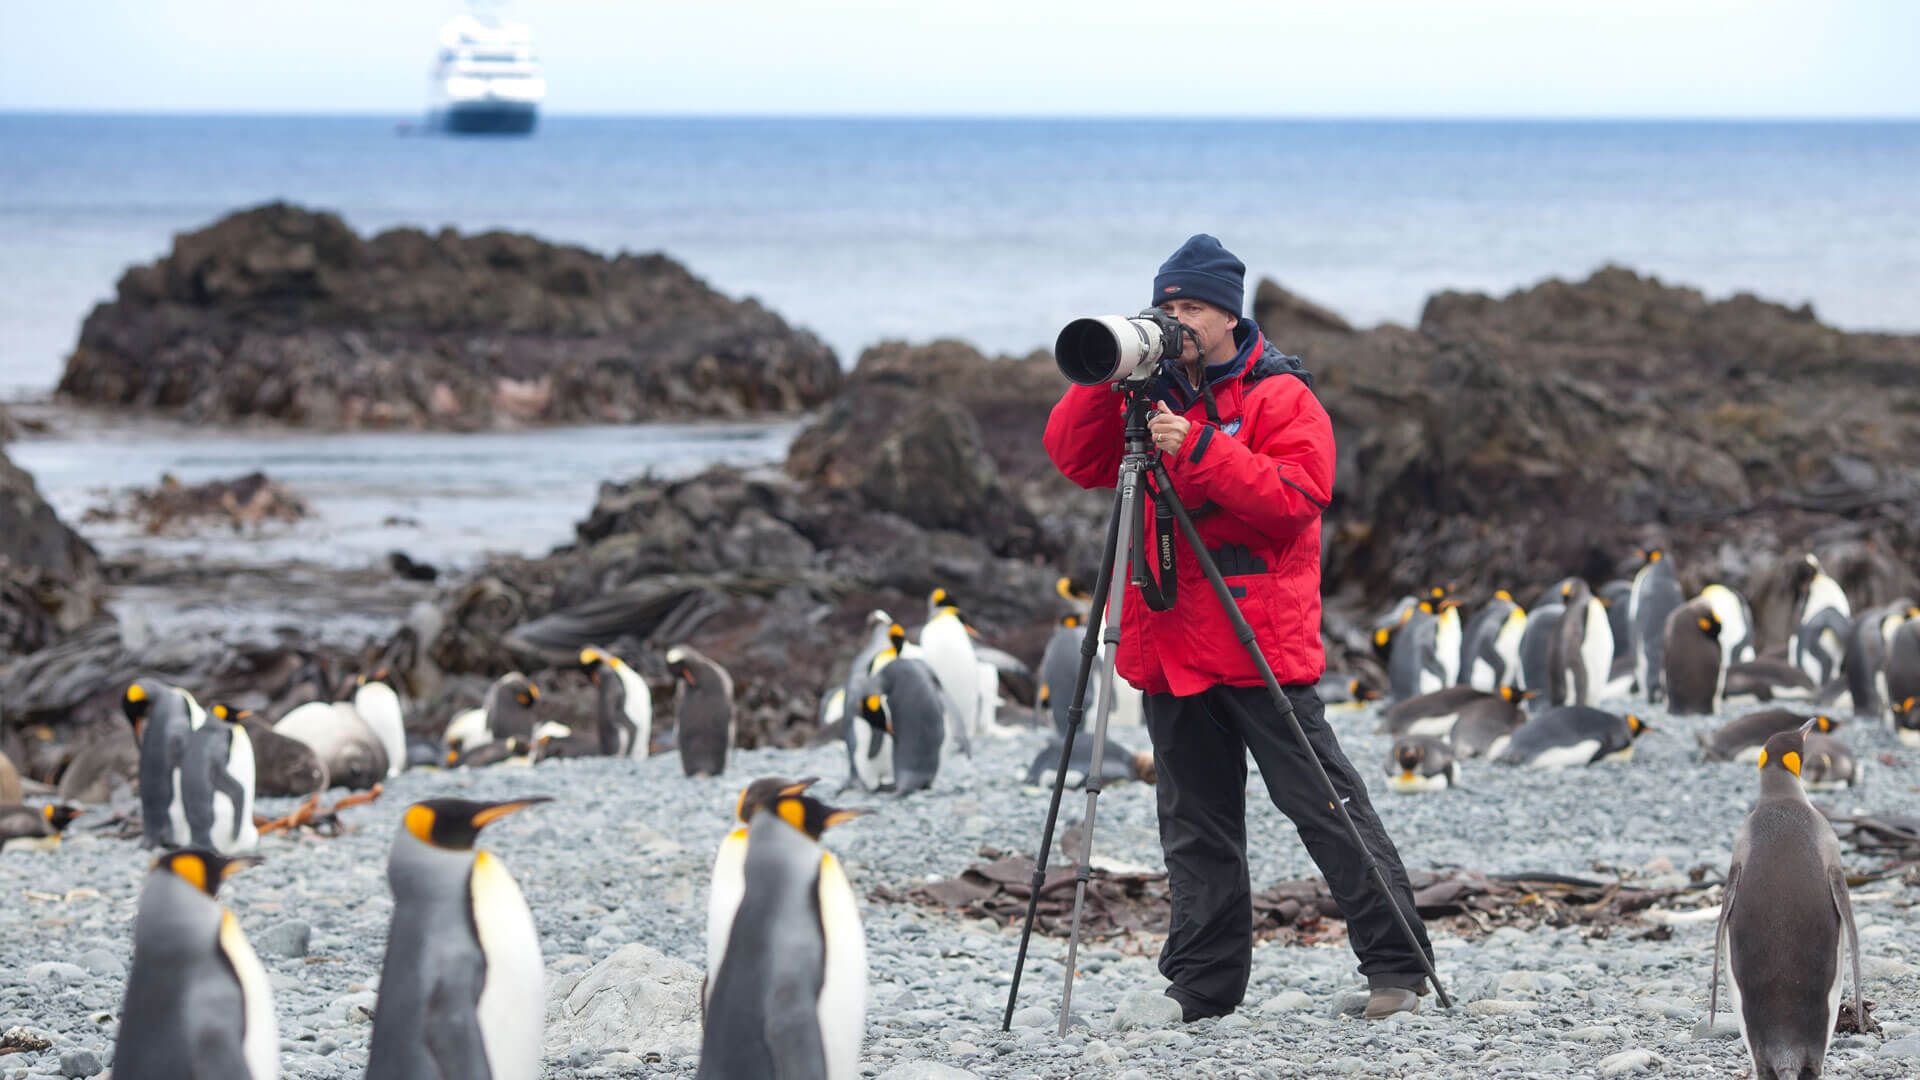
[
  {"x": 925, "y": 1070},
  {"x": 1908, "y": 1047},
  {"x": 1143, "y": 1009},
  {"x": 79, "y": 1063},
  {"x": 1287, "y": 1001},
  {"x": 1724, "y": 1026},
  {"x": 55, "y": 973},
  {"x": 1627, "y": 1061},
  {"x": 288, "y": 939},
  {"x": 1033, "y": 1016}
]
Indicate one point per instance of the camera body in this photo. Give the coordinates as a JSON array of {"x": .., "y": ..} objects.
[{"x": 1118, "y": 348}]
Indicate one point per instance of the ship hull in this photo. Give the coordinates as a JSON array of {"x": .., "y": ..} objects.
[{"x": 485, "y": 118}]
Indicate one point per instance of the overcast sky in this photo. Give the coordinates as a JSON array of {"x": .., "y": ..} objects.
[{"x": 995, "y": 57}]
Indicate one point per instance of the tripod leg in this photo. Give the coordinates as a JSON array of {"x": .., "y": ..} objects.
[
  {"x": 1117, "y": 591},
  {"x": 1165, "y": 493},
  {"x": 1089, "y": 647}
]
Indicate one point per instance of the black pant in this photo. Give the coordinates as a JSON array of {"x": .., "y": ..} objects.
[{"x": 1199, "y": 747}]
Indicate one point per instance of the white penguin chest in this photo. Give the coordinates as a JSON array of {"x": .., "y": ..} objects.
[
  {"x": 728, "y": 889},
  {"x": 843, "y": 990},
  {"x": 260, "y": 1044},
  {"x": 512, "y": 1006},
  {"x": 639, "y": 710}
]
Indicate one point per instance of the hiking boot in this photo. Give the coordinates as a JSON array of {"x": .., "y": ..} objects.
[
  {"x": 1384, "y": 1001},
  {"x": 1190, "y": 1012}
]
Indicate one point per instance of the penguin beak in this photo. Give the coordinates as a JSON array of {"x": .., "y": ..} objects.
[
  {"x": 800, "y": 785},
  {"x": 1810, "y": 725},
  {"x": 841, "y": 817},
  {"x": 238, "y": 863},
  {"x": 495, "y": 811}
]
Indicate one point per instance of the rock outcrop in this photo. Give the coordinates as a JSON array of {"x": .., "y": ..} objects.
[
  {"x": 1512, "y": 441},
  {"x": 50, "y": 578},
  {"x": 1502, "y": 443},
  {"x": 244, "y": 502},
  {"x": 282, "y": 314},
  {"x": 917, "y": 475}
]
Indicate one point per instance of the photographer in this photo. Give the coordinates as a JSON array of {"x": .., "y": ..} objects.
[{"x": 1251, "y": 451}]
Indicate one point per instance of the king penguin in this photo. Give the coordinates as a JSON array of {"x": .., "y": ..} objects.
[
  {"x": 1431, "y": 714},
  {"x": 703, "y": 711},
  {"x": 505, "y": 712},
  {"x": 1781, "y": 919},
  {"x": 1830, "y": 764},
  {"x": 1413, "y": 658},
  {"x": 1694, "y": 658},
  {"x": 1537, "y": 650},
  {"x": 1572, "y": 735},
  {"x": 462, "y": 988},
  {"x": 1736, "y": 621},
  {"x": 947, "y": 647},
  {"x": 198, "y": 1002},
  {"x": 1903, "y": 680},
  {"x": 216, "y": 788},
  {"x": 1656, "y": 592},
  {"x": 1490, "y": 651},
  {"x": 1484, "y": 727},
  {"x": 1581, "y": 652},
  {"x": 904, "y": 701},
  {"x": 786, "y": 991},
  {"x": 163, "y": 721},
  {"x": 1865, "y": 661},
  {"x": 34, "y": 828},
  {"x": 1059, "y": 667},
  {"x": 869, "y": 747},
  {"x": 1741, "y": 739},
  {"x": 729, "y": 863},
  {"x": 623, "y": 705},
  {"x": 1421, "y": 763},
  {"x": 1820, "y": 632}
]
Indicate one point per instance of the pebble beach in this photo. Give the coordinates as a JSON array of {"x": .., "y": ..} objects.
[{"x": 616, "y": 869}]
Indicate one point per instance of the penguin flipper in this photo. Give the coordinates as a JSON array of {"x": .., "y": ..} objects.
[
  {"x": 451, "y": 1026},
  {"x": 1837, "y": 881},
  {"x": 225, "y": 784},
  {"x": 1720, "y": 938}
]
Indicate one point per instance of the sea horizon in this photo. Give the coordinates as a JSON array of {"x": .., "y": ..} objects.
[
  {"x": 997, "y": 230},
  {"x": 989, "y": 117}
]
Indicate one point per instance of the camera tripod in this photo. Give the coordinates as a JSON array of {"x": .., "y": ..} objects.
[{"x": 1125, "y": 536}]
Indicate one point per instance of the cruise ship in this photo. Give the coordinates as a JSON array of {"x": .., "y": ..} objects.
[{"x": 485, "y": 79}]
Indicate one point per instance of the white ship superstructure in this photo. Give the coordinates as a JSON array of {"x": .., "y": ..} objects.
[{"x": 485, "y": 79}]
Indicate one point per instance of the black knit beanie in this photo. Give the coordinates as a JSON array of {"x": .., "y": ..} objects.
[{"x": 1202, "y": 270}]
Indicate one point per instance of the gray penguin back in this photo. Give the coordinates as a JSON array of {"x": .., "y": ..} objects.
[{"x": 763, "y": 1019}]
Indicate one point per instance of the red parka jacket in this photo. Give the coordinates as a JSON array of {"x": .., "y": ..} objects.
[{"x": 1265, "y": 468}]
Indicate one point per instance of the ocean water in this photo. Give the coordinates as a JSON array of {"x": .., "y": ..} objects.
[
  {"x": 994, "y": 231},
  {"x": 449, "y": 499},
  {"x": 998, "y": 231}
]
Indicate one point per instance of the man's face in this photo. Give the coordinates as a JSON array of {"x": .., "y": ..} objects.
[{"x": 1212, "y": 325}]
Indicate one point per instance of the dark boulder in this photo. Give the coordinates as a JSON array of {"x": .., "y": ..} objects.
[
  {"x": 50, "y": 578},
  {"x": 283, "y": 314}
]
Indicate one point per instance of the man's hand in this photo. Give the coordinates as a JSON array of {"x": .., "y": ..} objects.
[{"x": 1168, "y": 428}]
